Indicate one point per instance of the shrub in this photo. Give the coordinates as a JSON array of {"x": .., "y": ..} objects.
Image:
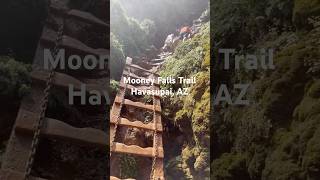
[{"x": 14, "y": 78}]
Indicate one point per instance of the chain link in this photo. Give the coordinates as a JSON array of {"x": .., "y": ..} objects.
[
  {"x": 155, "y": 135},
  {"x": 44, "y": 104}
]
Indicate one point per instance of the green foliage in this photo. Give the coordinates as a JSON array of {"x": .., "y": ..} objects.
[
  {"x": 277, "y": 131},
  {"x": 237, "y": 24},
  {"x": 195, "y": 162},
  {"x": 128, "y": 166},
  {"x": 183, "y": 67},
  {"x": 229, "y": 166},
  {"x": 311, "y": 161},
  {"x": 149, "y": 28},
  {"x": 297, "y": 152},
  {"x": 314, "y": 90},
  {"x": 117, "y": 58},
  {"x": 286, "y": 97},
  {"x": 189, "y": 57},
  {"x": 14, "y": 78},
  {"x": 193, "y": 117},
  {"x": 197, "y": 109},
  {"x": 232, "y": 28},
  {"x": 303, "y": 9},
  {"x": 174, "y": 169},
  {"x": 167, "y": 15},
  {"x": 114, "y": 85},
  {"x": 131, "y": 34}
]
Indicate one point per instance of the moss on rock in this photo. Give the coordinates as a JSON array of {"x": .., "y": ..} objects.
[{"x": 303, "y": 9}]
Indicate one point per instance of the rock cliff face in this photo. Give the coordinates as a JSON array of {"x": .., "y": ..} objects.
[
  {"x": 273, "y": 137},
  {"x": 188, "y": 117}
]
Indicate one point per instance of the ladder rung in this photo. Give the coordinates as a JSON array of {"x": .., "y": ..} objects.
[
  {"x": 49, "y": 36},
  {"x": 137, "y": 124},
  {"x": 143, "y": 88},
  {"x": 57, "y": 129},
  {"x": 115, "y": 178},
  {"x": 87, "y": 17},
  {"x": 64, "y": 81},
  {"x": 82, "y": 15},
  {"x": 138, "y": 104},
  {"x": 136, "y": 150}
]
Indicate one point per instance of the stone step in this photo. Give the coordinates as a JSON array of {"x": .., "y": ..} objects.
[
  {"x": 9, "y": 174},
  {"x": 141, "y": 105},
  {"x": 136, "y": 124},
  {"x": 165, "y": 54},
  {"x": 63, "y": 81},
  {"x": 157, "y": 60},
  {"x": 57, "y": 129},
  {"x": 69, "y": 43},
  {"x": 136, "y": 150},
  {"x": 157, "y": 64}
]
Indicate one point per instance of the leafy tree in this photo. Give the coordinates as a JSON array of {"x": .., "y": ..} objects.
[{"x": 14, "y": 78}]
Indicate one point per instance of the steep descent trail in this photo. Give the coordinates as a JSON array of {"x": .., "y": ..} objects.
[{"x": 139, "y": 70}]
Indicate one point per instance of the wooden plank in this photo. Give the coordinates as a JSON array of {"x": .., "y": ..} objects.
[
  {"x": 81, "y": 15},
  {"x": 63, "y": 81},
  {"x": 143, "y": 88},
  {"x": 57, "y": 129},
  {"x": 157, "y": 126},
  {"x": 136, "y": 150},
  {"x": 87, "y": 17},
  {"x": 8, "y": 174},
  {"x": 129, "y": 86},
  {"x": 141, "y": 105},
  {"x": 136, "y": 124}
]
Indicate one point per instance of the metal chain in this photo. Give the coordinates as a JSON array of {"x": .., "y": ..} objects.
[
  {"x": 155, "y": 138},
  {"x": 113, "y": 136},
  {"x": 44, "y": 104},
  {"x": 155, "y": 131}
]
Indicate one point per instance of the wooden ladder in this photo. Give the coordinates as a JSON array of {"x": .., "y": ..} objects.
[
  {"x": 156, "y": 152},
  {"x": 18, "y": 148}
]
